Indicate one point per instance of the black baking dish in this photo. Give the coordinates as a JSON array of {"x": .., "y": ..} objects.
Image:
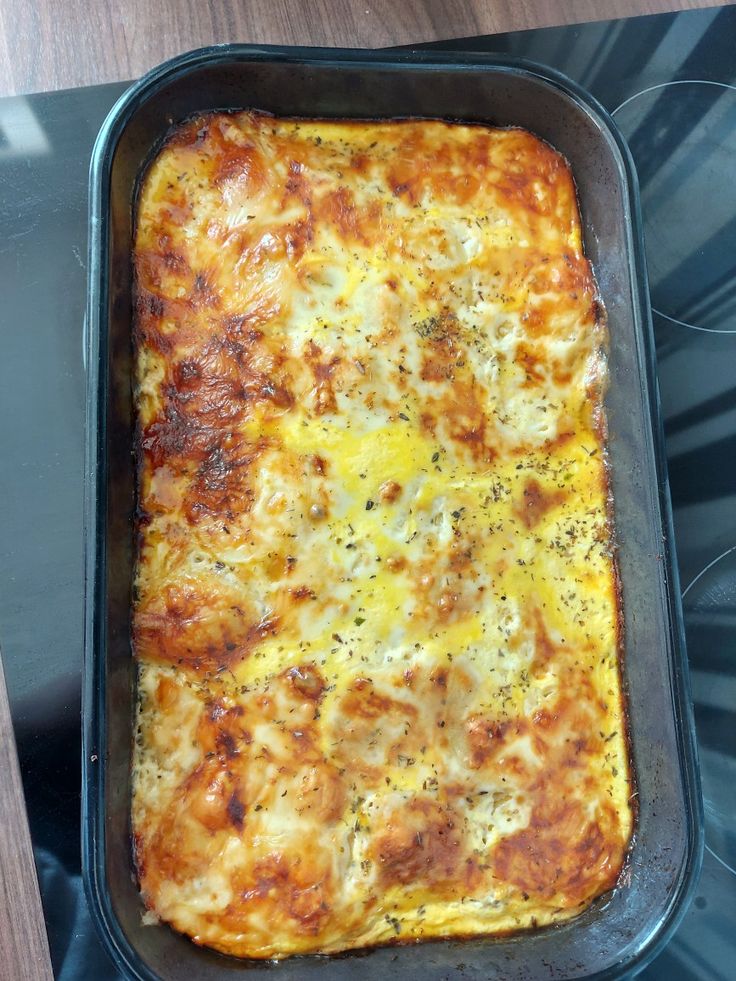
[{"x": 622, "y": 930}]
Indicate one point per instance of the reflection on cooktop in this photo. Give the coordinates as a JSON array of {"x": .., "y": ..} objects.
[
  {"x": 682, "y": 136},
  {"x": 698, "y": 390}
]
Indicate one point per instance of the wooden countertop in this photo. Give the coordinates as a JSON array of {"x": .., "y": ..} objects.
[
  {"x": 24, "y": 948},
  {"x": 53, "y": 45}
]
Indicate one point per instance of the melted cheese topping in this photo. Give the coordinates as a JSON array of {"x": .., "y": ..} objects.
[{"x": 376, "y": 609}]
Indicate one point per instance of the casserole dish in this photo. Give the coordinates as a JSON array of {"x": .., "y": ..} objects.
[{"x": 619, "y": 930}]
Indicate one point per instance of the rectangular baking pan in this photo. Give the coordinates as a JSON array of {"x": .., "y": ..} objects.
[{"x": 621, "y": 931}]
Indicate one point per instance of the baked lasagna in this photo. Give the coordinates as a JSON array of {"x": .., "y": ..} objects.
[{"x": 376, "y": 613}]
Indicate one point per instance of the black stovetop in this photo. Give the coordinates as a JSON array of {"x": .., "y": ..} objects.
[{"x": 670, "y": 81}]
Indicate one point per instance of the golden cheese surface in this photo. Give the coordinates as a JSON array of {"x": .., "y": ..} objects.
[{"x": 376, "y": 607}]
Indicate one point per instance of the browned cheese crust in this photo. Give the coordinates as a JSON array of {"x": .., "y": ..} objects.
[{"x": 376, "y": 608}]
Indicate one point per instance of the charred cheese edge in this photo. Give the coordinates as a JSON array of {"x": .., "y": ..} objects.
[{"x": 375, "y": 611}]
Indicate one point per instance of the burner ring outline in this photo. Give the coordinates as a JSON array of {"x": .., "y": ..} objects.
[
  {"x": 687, "y": 589},
  {"x": 622, "y": 105}
]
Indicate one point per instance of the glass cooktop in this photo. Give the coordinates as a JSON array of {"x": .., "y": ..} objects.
[{"x": 670, "y": 82}]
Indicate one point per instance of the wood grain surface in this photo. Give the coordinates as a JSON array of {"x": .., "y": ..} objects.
[
  {"x": 24, "y": 948},
  {"x": 53, "y": 44}
]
